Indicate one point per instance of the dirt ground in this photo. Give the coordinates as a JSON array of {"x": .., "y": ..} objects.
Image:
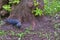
[
  {"x": 43, "y": 30},
  {"x": 46, "y": 28}
]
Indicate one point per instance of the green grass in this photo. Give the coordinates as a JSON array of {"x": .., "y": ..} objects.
[
  {"x": 51, "y": 8},
  {"x": 2, "y": 33},
  {"x": 22, "y": 34},
  {"x": 14, "y": 1},
  {"x": 37, "y": 12},
  {"x": 7, "y": 7},
  {"x": 35, "y": 3},
  {"x": 57, "y": 26}
]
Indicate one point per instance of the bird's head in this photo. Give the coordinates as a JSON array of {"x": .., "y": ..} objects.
[{"x": 18, "y": 25}]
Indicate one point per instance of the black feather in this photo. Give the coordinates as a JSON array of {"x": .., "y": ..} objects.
[{"x": 13, "y": 22}]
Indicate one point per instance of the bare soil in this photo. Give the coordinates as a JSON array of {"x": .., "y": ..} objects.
[
  {"x": 41, "y": 28},
  {"x": 43, "y": 25}
]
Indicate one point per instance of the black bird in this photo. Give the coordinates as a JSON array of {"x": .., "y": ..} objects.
[{"x": 13, "y": 22}]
